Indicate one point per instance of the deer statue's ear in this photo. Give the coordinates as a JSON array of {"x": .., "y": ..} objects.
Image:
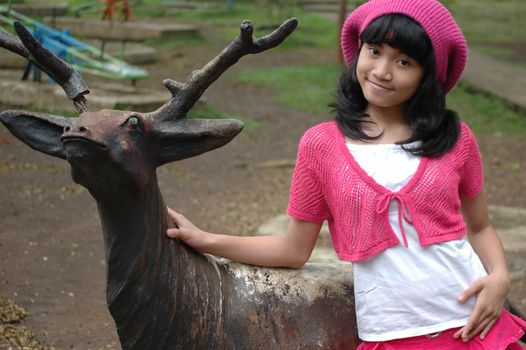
[
  {"x": 38, "y": 130},
  {"x": 185, "y": 138}
]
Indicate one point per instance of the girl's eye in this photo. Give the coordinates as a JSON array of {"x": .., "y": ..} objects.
[
  {"x": 403, "y": 63},
  {"x": 374, "y": 51}
]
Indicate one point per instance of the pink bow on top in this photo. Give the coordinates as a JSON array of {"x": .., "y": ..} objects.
[{"x": 383, "y": 205}]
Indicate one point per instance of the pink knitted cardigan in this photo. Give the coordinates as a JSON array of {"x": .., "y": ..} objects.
[{"x": 328, "y": 184}]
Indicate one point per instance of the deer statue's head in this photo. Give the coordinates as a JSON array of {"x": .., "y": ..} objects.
[
  {"x": 121, "y": 149},
  {"x": 118, "y": 148}
]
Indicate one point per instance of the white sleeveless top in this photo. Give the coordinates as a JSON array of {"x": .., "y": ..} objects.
[{"x": 405, "y": 292}]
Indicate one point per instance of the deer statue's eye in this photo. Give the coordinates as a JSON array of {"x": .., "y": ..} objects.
[{"x": 133, "y": 121}]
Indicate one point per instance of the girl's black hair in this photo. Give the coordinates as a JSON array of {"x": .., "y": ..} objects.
[{"x": 437, "y": 127}]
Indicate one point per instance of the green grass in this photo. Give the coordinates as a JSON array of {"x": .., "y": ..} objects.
[
  {"x": 179, "y": 40},
  {"x": 312, "y": 31},
  {"x": 310, "y": 88},
  {"x": 60, "y": 112},
  {"x": 490, "y": 24},
  {"x": 487, "y": 114},
  {"x": 491, "y": 20}
]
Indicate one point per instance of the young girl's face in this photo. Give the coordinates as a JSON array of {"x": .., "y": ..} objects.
[{"x": 388, "y": 77}]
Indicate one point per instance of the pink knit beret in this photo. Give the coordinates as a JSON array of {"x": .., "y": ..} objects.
[{"x": 448, "y": 42}]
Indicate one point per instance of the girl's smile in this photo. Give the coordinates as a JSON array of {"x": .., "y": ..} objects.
[
  {"x": 387, "y": 76},
  {"x": 379, "y": 87}
]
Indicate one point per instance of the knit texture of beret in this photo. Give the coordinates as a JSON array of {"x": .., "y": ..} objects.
[{"x": 448, "y": 42}]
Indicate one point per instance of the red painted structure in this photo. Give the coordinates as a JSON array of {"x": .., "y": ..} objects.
[{"x": 110, "y": 9}]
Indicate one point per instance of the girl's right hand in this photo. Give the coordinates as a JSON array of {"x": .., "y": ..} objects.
[{"x": 187, "y": 232}]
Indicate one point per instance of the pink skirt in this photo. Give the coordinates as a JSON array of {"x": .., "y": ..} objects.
[{"x": 504, "y": 335}]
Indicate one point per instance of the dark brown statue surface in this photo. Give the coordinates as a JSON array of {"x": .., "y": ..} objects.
[{"x": 162, "y": 294}]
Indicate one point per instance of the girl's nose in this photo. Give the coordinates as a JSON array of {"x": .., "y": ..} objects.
[{"x": 382, "y": 70}]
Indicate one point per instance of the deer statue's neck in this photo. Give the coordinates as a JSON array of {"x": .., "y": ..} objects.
[{"x": 157, "y": 288}]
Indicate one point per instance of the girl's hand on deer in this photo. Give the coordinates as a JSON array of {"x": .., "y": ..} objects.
[
  {"x": 186, "y": 231},
  {"x": 491, "y": 294}
]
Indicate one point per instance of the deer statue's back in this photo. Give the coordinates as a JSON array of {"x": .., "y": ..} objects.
[{"x": 161, "y": 293}]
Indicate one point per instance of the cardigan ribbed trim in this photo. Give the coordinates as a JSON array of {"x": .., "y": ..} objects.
[{"x": 328, "y": 184}]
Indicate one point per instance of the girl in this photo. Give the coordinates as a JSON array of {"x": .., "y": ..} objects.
[{"x": 398, "y": 177}]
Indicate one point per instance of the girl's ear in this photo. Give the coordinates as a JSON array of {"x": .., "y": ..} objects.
[{"x": 38, "y": 130}]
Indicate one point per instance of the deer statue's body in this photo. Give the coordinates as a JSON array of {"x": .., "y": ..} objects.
[{"x": 161, "y": 293}]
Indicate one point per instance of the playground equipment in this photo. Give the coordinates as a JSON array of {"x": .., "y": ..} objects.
[
  {"x": 110, "y": 9},
  {"x": 81, "y": 56}
]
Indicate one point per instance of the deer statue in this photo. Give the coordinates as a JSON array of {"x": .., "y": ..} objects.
[{"x": 161, "y": 293}]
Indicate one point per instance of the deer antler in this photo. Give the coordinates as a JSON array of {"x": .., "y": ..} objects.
[
  {"x": 61, "y": 72},
  {"x": 184, "y": 96}
]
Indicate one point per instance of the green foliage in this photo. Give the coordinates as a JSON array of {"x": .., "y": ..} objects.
[
  {"x": 490, "y": 20},
  {"x": 487, "y": 114},
  {"x": 495, "y": 27},
  {"x": 312, "y": 31},
  {"x": 179, "y": 40},
  {"x": 311, "y": 88}
]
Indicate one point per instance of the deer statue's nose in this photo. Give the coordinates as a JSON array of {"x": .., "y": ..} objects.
[{"x": 76, "y": 129}]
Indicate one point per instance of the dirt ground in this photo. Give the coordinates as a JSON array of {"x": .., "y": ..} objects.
[{"x": 51, "y": 253}]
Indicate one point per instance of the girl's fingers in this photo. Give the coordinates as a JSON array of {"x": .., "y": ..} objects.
[
  {"x": 178, "y": 219},
  {"x": 173, "y": 232},
  {"x": 487, "y": 329},
  {"x": 481, "y": 325},
  {"x": 483, "y": 316},
  {"x": 472, "y": 290},
  {"x": 173, "y": 214},
  {"x": 483, "y": 329},
  {"x": 458, "y": 333},
  {"x": 177, "y": 233},
  {"x": 477, "y": 316},
  {"x": 476, "y": 330}
]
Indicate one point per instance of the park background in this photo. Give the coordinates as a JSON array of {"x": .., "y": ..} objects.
[{"x": 52, "y": 277}]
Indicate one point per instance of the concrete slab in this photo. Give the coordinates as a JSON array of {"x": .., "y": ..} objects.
[
  {"x": 192, "y": 5},
  {"x": 514, "y": 239},
  {"x": 125, "y": 31},
  {"x": 51, "y": 97},
  {"x": 139, "y": 102},
  {"x": 323, "y": 252},
  {"x": 509, "y": 222},
  {"x": 134, "y": 53},
  {"x": 503, "y": 217},
  {"x": 487, "y": 74},
  {"x": 317, "y": 2},
  {"x": 41, "y": 10},
  {"x": 11, "y": 61},
  {"x": 325, "y": 8},
  {"x": 28, "y": 94}
]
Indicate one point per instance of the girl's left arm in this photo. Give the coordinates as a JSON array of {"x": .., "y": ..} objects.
[{"x": 491, "y": 290}]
